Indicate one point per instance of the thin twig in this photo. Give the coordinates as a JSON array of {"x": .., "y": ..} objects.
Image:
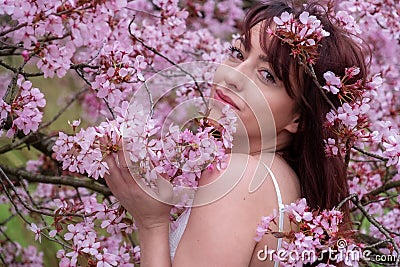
[
  {"x": 2, "y": 260},
  {"x": 365, "y": 203},
  {"x": 150, "y": 99},
  {"x": 370, "y": 154},
  {"x": 10, "y": 198},
  {"x": 152, "y": 49},
  {"x": 310, "y": 69},
  {"x": 83, "y": 65},
  {"x": 6, "y": 220},
  {"x": 26, "y": 206},
  {"x": 61, "y": 111},
  {"x": 13, "y": 145},
  {"x": 345, "y": 200},
  {"x": 16, "y": 70}
]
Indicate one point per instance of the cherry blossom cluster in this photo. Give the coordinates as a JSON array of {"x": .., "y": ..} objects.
[
  {"x": 302, "y": 34},
  {"x": 386, "y": 16},
  {"x": 314, "y": 232},
  {"x": 211, "y": 13},
  {"x": 337, "y": 85},
  {"x": 16, "y": 255},
  {"x": 84, "y": 241},
  {"x": 81, "y": 153},
  {"x": 119, "y": 69},
  {"x": 181, "y": 154},
  {"x": 25, "y": 110},
  {"x": 348, "y": 122}
]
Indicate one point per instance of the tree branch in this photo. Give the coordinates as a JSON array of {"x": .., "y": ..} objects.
[
  {"x": 381, "y": 228},
  {"x": 14, "y": 29},
  {"x": 370, "y": 154},
  {"x": 15, "y": 70},
  {"x": 385, "y": 187},
  {"x": 59, "y": 180}
]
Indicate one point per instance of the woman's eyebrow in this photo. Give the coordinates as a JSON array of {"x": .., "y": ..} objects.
[
  {"x": 241, "y": 40},
  {"x": 263, "y": 58}
]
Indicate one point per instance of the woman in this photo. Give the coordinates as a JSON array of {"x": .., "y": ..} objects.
[{"x": 260, "y": 66}]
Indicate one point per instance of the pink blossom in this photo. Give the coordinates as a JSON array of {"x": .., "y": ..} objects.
[
  {"x": 351, "y": 72},
  {"x": 299, "y": 211},
  {"x": 33, "y": 165},
  {"x": 25, "y": 55},
  {"x": 330, "y": 148},
  {"x": 333, "y": 83},
  {"x": 106, "y": 259},
  {"x": 348, "y": 115},
  {"x": 25, "y": 109},
  {"x": 264, "y": 226},
  {"x": 37, "y": 232},
  {"x": 392, "y": 149}
]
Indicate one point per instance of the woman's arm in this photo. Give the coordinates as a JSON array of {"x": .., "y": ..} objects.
[{"x": 154, "y": 247}]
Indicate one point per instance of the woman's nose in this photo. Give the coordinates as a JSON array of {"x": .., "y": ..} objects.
[{"x": 235, "y": 79}]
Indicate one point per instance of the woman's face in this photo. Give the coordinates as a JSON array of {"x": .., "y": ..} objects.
[{"x": 247, "y": 83}]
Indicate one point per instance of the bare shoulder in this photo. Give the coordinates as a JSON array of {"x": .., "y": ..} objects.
[
  {"x": 287, "y": 180},
  {"x": 227, "y": 210},
  {"x": 250, "y": 175}
]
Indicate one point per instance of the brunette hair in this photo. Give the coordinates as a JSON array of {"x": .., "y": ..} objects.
[{"x": 323, "y": 180}]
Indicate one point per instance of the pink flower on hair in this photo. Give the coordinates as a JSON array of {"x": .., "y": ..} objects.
[
  {"x": 302, "y": 35},
  {"x": 333, "y": 82},
  {"x": 285, "y": 19},
  {"x": 351, "y": 72}
]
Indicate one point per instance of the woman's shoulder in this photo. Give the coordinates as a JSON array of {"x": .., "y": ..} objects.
[{"x": 254, "y": 175}]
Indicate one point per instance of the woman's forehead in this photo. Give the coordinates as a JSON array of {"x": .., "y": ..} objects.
[{"x": 256, "y": 37}]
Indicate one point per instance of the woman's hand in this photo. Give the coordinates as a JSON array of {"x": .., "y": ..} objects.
[{"x": 147, "y": 207}]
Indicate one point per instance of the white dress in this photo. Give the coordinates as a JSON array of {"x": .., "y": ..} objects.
[{"x": 176, "y": 234}]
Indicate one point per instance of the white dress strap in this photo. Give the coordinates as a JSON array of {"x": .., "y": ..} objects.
[
  {"x": 280, "y": 210},
  {"x": 176, "y": 234}
]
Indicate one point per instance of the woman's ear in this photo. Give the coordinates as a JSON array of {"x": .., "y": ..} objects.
[{"x": 293, "y": 126}]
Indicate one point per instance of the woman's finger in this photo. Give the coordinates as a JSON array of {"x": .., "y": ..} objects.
[
  {"x": 118, "y": 178},
  {"x": 124, "y": 164},
  {"x": 165, "y": 190}
]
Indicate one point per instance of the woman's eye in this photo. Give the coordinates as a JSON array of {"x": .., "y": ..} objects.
[
  {"x": 267, "y": 76},
  {"x": 235, "y": 53}
]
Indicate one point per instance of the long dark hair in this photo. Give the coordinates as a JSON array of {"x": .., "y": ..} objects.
[{"x": 323, "y": 180}]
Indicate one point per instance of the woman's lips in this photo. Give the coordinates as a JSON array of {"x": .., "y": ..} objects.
[{"x": 219, "y": 95}]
